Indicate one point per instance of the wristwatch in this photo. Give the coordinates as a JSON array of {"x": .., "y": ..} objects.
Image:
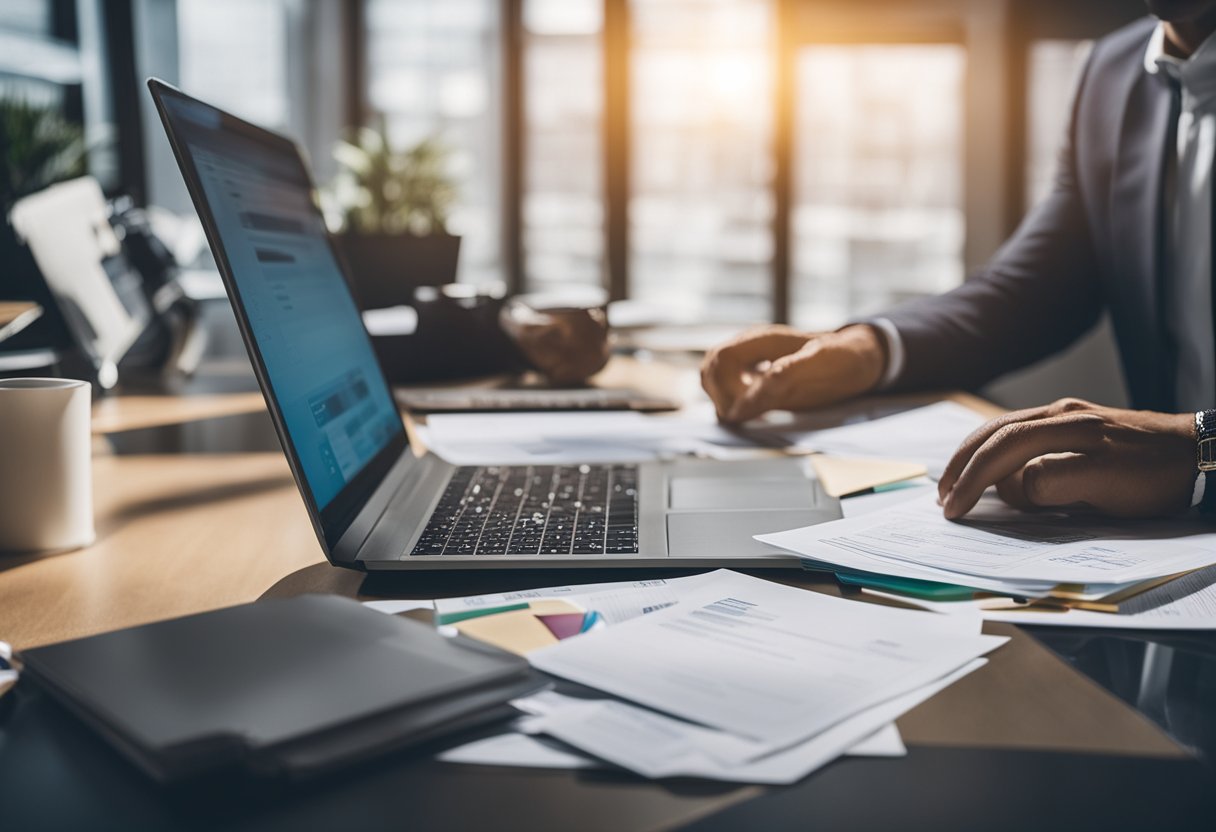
[{"x": 1205, "y": 457}]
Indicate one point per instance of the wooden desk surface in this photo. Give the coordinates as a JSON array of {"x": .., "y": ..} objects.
[
  {"x": 186, "y": 533},
  {"x": 115, "y": 414},
  {"x": 175, "y": 535}
]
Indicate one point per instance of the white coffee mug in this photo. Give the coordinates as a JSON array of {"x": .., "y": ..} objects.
[{"x": 46, "y": 475}]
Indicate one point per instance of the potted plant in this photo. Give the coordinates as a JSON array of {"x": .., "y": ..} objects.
[{"x": 394, "y": 209}]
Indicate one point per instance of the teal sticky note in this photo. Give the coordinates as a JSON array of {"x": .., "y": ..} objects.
[{"x": 929, "y": 590}]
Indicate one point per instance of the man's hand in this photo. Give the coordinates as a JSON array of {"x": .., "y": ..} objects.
[
  {"x": 1130, "y": 463},
  {"x": 777, "y": 367}
]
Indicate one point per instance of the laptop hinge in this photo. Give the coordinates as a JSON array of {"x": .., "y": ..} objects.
[{"x": 346, "y": 550}]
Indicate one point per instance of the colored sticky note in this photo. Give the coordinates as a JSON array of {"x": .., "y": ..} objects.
[
  {"x": 564, "y": 625},
  {"x": 840, "y": 476},
  {"x": 518, "y": 631}
]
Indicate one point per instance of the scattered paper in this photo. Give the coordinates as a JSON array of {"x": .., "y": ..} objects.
[
  {"x": 519, "y": 750},
  {"x": 763, "y": 661},
  {"x": 616, "y": 601},
  {"x": 393, "y": 607},
  {"x": 566, "y": 438},
  {"x": 1194, "y": 612},
  {"x": 655, "y": 745},
  {"x": 926, "y": 436},
  {"x": 998, "y": 542}
]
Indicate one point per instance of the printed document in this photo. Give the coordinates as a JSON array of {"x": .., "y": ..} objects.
[
  {"x": 926, "y": 435},
  {"x": 615, "y": 602},
  {"x": 997, "y": 542},
  {"x": 763, "y": 661},
  {"x": 1193, "y": 612},
  {"x": 525, "y": 751},
  {"x": 563, "y": 438},
  {"x": 655, "y": 745}
]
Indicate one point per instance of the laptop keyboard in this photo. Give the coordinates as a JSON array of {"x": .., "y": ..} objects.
[{"x": 535, "y": 510}]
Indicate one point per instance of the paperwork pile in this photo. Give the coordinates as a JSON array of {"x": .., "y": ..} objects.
[
  {"x": 1196, "y": 611},
  {"x": 923, "y": 437},
  {"x": 730, "y": 677},
  {"x": 927, "y": 436},
  {"x": 563, "y": 438},
  {"x": 1002, "y": 550}
]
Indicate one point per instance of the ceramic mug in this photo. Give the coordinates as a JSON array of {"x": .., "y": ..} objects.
[{"x": 46, "y": 478}]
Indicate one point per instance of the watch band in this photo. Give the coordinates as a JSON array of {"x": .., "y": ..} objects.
[{"x": 1205, "y": 457}]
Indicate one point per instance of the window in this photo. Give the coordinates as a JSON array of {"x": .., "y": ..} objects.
[
  {"x": 1054, "y": 68},
  {"x": 700, "y": 209},
  {"x": 233, "y": 54},
  {"x": 563, "y": 217},
  {"x": 433, "y": 68},
  {"x": 32, "y": 17},
  {"x": 877, "y": 211}
]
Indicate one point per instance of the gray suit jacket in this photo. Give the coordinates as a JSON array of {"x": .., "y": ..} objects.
[{"x": 1093, "y": 244}]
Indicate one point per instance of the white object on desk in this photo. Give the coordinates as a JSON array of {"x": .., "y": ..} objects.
[
  {"x": 395, "y": 320},
  {"x": 655, "y": 745},
  {"x": 996, "y": 542},
  {"x": 519, "y": 750},
  {"x": 395, "y": 606},
  {"x": 769, "y": 663},
  {"x": 46, "y": 479},
  {"x": 615, "y": 602},
  {"x": 926, "y": 435},
  {"x": 1194, "y": 612},
  {"x": 561, "y": 438}
]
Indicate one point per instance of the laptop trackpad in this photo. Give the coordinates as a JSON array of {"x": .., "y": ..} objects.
[
  {"x": 740, "y": 492},
  {"x": 702, "y": 534}
]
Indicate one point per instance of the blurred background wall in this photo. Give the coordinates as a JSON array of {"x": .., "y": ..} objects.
[{"x": 710, "y": 161}]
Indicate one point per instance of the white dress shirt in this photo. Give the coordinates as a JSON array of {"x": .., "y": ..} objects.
[{"x": 1188, "y": 263}]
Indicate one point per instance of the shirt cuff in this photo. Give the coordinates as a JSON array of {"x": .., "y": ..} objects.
[
  {"x": 1201, "y": 482},
  {"x": 895, "y": 351}
]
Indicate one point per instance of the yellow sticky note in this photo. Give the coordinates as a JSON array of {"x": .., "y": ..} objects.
[
  {"x": 553, "y": 606},
  {"x": 841, "y": 476},
  {"x": 517, "y": 631}
]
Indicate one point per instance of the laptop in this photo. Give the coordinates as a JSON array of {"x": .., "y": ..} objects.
[{"x": 375, "y": 502}]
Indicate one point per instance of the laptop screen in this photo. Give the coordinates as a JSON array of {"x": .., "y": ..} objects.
[{"x": 316, "y": 359}]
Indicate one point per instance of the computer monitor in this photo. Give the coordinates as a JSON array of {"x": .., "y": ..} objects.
[{"x": 325, "y": 389}]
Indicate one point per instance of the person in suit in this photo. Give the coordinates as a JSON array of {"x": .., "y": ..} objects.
[{"x": 1126, "y": 229}]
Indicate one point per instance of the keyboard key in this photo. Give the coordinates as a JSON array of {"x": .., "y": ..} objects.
[{"x": 546, "y": 510}]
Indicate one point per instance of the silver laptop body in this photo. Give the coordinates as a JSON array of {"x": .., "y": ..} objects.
[{"x": 374, "y": 502}]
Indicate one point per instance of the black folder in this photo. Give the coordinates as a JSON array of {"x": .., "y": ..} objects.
[{"x": 292, "y": 687}]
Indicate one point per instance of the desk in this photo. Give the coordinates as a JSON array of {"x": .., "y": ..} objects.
[{"x": 180, "y": 534}]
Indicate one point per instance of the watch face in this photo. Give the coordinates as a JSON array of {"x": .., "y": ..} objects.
[{"x": 1207, "y": 454}]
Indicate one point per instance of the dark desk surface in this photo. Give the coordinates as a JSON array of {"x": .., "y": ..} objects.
[
  {"x": 1025, "y": 738},
  {"x": 184, "y": 533}
]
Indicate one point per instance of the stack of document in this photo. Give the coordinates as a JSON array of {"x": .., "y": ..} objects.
[
  {"x": 927, "y": 436},
  {"x": 727, "y": 677},
  {"x": 1192, "y": 611},
  {"x": 562, "y": 438},
  {"x": 1002, "y": 550},
  {"x": 924, "y": 437}
]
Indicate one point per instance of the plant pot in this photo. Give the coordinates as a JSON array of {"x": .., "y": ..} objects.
[{"x": 386, "y": 268}]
